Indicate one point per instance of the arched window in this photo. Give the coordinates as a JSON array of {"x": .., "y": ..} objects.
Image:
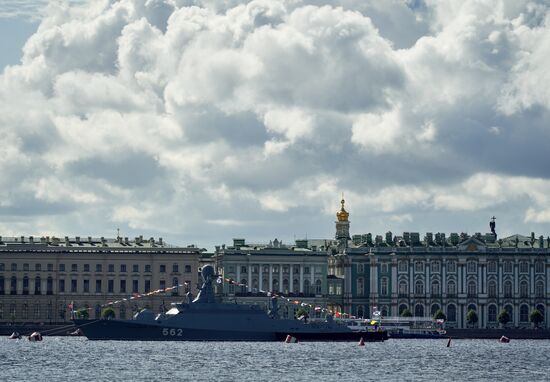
[
  {"x": 295, "y": 286},
  {"x": 403, "y": 288},
  {"x": 244, "y": 286},
  {"x": 435, "y": 308},
  {"x": 419, "y": 287},
  {"x": 384, "y": 286},
  {"x": 492, "y": 289},
  {"x": 13, "y": 285},
  {"x": 285, "y": 286},
  {"x": 472, "y": 307},
  {"x": 255, "y": 285},
  {"x": 360, "y": 286},
  {"x": 385, "y": 311},
  {"x": 471, "y": 266},
  {"x": 360, "y": 311},
  {"x": 510, "y": 310},
  {"x": 419, "y": 310},
  {"x": 435, "y": 288},
  {"x": 523, "y": 289},
  {"x": 451, "y": 313},
  {"x": 524, "y": 313},
  {"x": 451, "y": 288},
  {"x": 49, "y": 286},
  {"x": 37, "y": 282},
  {"x": 306, "y": 287},
  {"x": 492, "y": 313},
  {"x": 508, "y": 289},
  {"x": 402, "y": 308},
  {"x": 25, "y": 285},
  {"x": 472, "y": 289},
  {"x": 318, "y": 287},
  {"x": 539, "y": 289},
  {"x": 540, "y": 308},
  {"x": 275, "y": 285}
]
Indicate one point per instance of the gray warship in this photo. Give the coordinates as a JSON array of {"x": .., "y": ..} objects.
[{"x": 203, "y": 319}]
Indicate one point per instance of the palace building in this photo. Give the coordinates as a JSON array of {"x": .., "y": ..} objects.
[{"x": 41, "y": 279}]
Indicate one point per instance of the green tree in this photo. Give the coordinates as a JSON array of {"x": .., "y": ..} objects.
[
  {"x": 471, "y": 317},
  {"x": 503, "y": 317},
  {"x": 82, "y": 313},
  {"x": 302, "y": 312},
  {"x": 439, "y": 315},
  {"x": 536, "y": 317},
  {"x": 108, "y": 313},
  {"x": 406, "y": 313}
]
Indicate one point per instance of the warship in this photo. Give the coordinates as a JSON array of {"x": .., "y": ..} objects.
[{"x": 204, "y": 319}]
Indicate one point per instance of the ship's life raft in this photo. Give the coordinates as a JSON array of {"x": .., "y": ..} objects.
[{"x": 35, "y": 336}]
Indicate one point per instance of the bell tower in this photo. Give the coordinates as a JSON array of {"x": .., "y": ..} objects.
[{"x": 342, "y": 226}]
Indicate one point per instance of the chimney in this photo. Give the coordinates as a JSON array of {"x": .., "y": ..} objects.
[
  {"x": 77, "y": 239},
  {"x": 90, "y": 239},
  {"x": 31, "y": 239},
  {"x": 160, "y": 240},
  {"x": 22, "y": 239}
]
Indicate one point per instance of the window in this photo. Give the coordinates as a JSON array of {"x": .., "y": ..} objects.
[
  {"x": 188, "y": 269},
  {"x": 508, "y": 289},
  {"x": 162, "y": 268},
  {"x": 360, "y": 268},
  {"x": 110, "y": 286},
  {"x": 2, "y": 285},
  {"x": 98, "y": 286},
  {"x": 492, "y": 289},
  {"x": 471, "y": 266},
  {"x": 419, "y": 267},
  {"x": 111, "y": 268},
  {"x": 318, "y": 287},
  {"x": 523, "y": 289},
  {"x": 275, "y": 269},
  {"x": 50, "y": 267},
  {"x": 135, "y": 286},
  {"x": 175, "y": 268},
  {"x": 492, "y": 267},
  {"x": 492, "y": 313},
  {"x": 402, "y": 308},
  {"x": 403, "y": 266},
  {"x": 122, "y": 286},
  {"x": 507, "y": 267},
  {"x": 539, "y": 267},
  {"x": 13, "y": 267},
  {"x": 25, "y": 285},
  {"x": 162, "y": 284},
  {"x": 451, "y": 313},
  {"x": 403, "y": 289},
  {"x": 1, "y": 267},
  {"x": 451, "y": 267},
  {"x": 539, "y": 289},
  {"x": 147, "y": 286},
  {"x": 98, "y": 268},
  {"x": 275, "y": 285},
  {"x": 61, "y": 267},
  {"x": 74, "y": 285},
  {"x": 384, "y": 267},
  {"x": 419, "y": 287},
  {"x": 384, "y": 286},
  {"x": 147, "y": 268},
  {"x": 436, "y": 265},
  {"x": 37, "y": 285},
  {"x": 306, "y": 270},
  {"x": 306, "y": 287},
  {"x": 360, "y": 286},
  {"x": 86, "y": 286},
  {"x": 175, "y": 285},
  {"x": 86, "y": 267},
  {"x": 74, "y": 267},
  {"x": 135, "y": 268},
  {"x": 451, "y": 288},
  {"x": 62, "y": 285},
  {"x": 524, "y": 313},
  {"x": 524, "y": 267},
  {"x": 38, "y": 267},
  {"x": 122, "y": 268},
  {"x": 25, "y": 267},
  {"x": 472, "y": 289},
  {"x": 435, "y": 288},
  {"x": 419, "y": 310}
]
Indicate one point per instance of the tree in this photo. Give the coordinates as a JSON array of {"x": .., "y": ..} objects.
[
  {"x": 536, "y": 317},
  {"x": 503, "y": 317},
  {"x": 439, "y": 315},
  {"x": 471, "y": 317},
  {"x": 406, "y": 313},
  {"x": 82, "y": 313},
  {"x": 108, "y": 313},
  {"x": 302, "y": 312}
]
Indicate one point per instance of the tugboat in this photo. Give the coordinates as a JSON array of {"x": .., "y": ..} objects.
[{"x": 203, "y": 319}]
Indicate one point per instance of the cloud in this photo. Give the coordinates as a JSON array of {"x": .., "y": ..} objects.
[{"x": 199, "y": 120}]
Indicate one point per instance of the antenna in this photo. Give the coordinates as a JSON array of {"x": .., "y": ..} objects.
[{"x": 118, "y": 233}]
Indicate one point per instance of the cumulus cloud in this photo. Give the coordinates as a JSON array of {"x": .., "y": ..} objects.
[{"x": 201, "y": 120}]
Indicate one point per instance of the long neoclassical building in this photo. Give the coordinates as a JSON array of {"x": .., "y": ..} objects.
[
  {"x": 41, "y": 277},
  {"x": 456, "y": 274}
]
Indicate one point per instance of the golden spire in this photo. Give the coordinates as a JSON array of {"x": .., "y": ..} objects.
[{"x": 342, "y": 215}]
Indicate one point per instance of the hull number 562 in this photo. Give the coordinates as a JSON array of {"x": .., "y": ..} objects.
[{"x": 172, "y": 332}]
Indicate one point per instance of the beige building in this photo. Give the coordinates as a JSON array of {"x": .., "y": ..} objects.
[{"x": 41, "y": 277}]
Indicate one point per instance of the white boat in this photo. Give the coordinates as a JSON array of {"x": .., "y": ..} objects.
[{"x": 399, "y": 327}]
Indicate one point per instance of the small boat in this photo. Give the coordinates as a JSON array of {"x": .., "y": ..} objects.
[
  {"x": 15, "y": 336},
  {"x": 399, "y": 327},
  {"x": 35, "y": 337},
  {"x": 504, "y": 340},
  {"x": 76, "y": 333}
]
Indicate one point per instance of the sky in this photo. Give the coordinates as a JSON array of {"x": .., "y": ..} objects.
[{"x": 200, "y": 121}]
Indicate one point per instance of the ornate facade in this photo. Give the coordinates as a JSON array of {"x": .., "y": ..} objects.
[{"x": 39, "y": 278}]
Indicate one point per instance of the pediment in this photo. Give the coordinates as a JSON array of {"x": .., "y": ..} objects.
[{"x": 472, "y": 245}]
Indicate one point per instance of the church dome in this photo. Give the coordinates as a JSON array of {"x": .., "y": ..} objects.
[{"x": 342, "y": 215}]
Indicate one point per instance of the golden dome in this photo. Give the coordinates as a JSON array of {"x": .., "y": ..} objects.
[{"x": 342, "y": 215}]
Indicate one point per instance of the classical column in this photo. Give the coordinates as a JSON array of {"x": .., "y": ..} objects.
[
  {"x": 290, "y": 280},
  {"x": 260, "y": 277},
  {"x": 270, "y": 277},
  {"x": 312, "y": 273},
  {"x": 301, "y": 278},
  {"x": 281, "y": 278},
  {"x": 238, "y": 273},
  {"x": 249, "y": 281}
]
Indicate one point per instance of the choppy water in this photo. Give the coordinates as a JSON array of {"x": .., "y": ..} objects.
[{"x": 69, "y": 358}]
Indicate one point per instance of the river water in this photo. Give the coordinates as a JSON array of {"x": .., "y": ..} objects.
[{"x": 77, "y": 359}]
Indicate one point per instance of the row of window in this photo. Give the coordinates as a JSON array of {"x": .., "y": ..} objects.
[
  {"x": 307, "y": 287},
  {"x": 275, "y": 269},
  {"x": 471, "y": 267},
  {"x": 98, "y": 268},
  {"x": 73, "y": 286}
]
